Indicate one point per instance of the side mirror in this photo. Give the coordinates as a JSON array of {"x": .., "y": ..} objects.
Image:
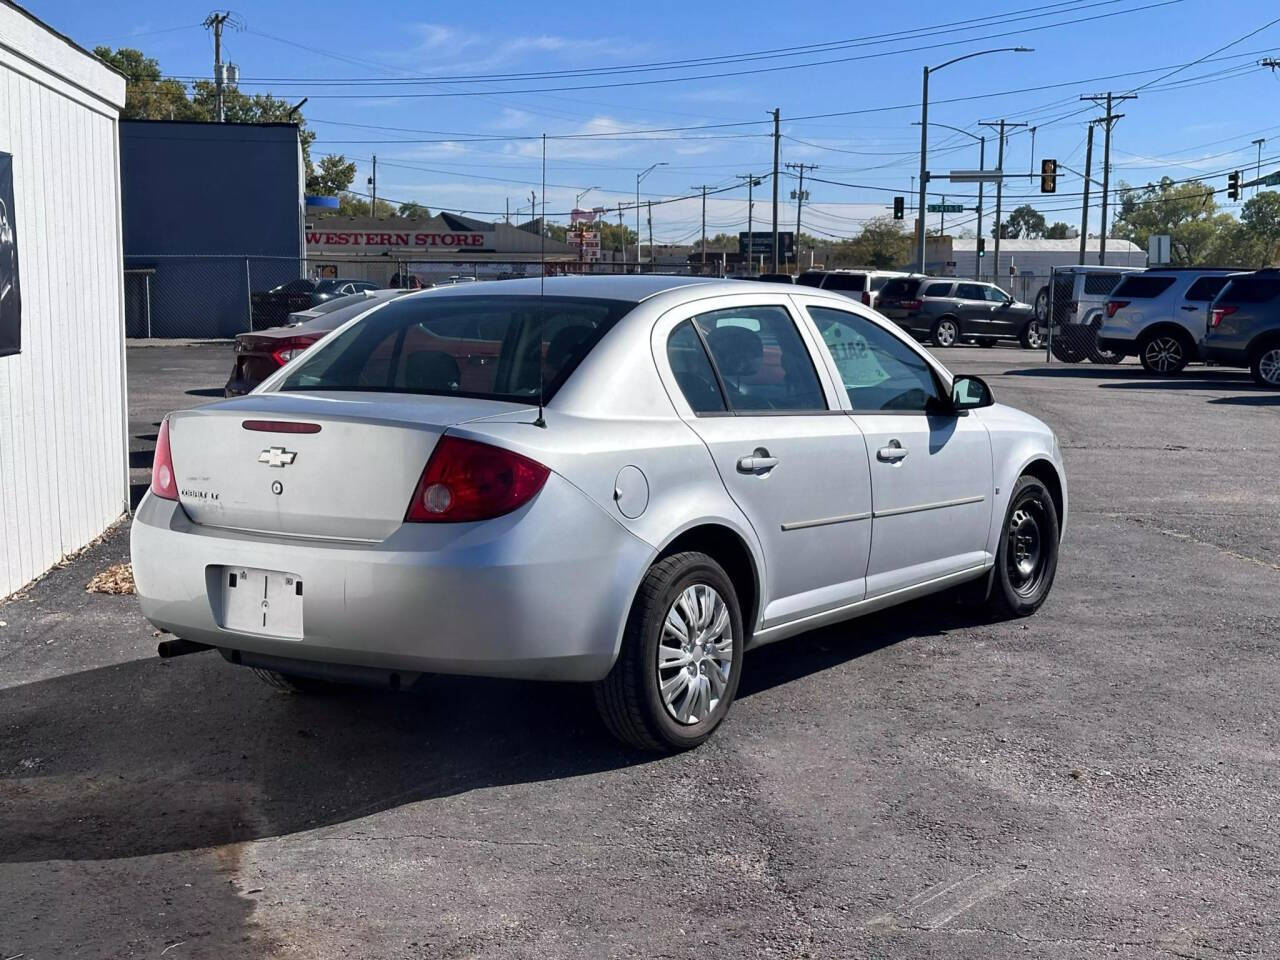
[
  {"x": 1008, "y": 298},
  {"x": 970, "y": 393}
]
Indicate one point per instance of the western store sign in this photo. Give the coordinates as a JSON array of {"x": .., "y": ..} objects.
[{"x": 371, "y": 240}]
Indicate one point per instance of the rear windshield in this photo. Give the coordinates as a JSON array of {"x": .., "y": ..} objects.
[
  {"x": 810, "y": 278},
  {"x": 1142, "y": 287},
  {"x": 1206, "y": 288},
  {"x": 878, "y": 280},
  {"x": 1100, "y": 284},
  {"x": 901, "y": 287},
  {"x": 846, "y": 281},
  {"x": 1252, "y": 290},
  {"x": 472, "y": 346}
]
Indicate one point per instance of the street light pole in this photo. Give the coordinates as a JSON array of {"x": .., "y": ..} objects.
[
  {"x": 1257, "y": 173},
  {"x": 924, "y": 137},
  {"x": 982, "y": 165},
  {"x": 639, "y": 177}
]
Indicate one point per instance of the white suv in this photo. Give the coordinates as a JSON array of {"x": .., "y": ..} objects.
[
  {"x": 1159, "y": 315},
  {"x": 862, "y": 284}
]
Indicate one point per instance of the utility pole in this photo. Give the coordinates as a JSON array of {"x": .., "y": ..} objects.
[
  {"x": 995, "y": 260},
  {"x": 703, "y": 188},
  {"x": 1084, "y": 207},
  {"x": 508, "y": 217},
  {"x": 1110, "y": 121},
  {"x": 649, "y": 220},
  {"x": 777, "y": 137},
  {"x": 751, "y": 182},
  {"x": 373, "y": 188},
  {"x": 622, "y": 239},
  {"x": 1257, "y": 174},
  {"x": 800, "y": 197},
  {"x": 216, "y": 21}
]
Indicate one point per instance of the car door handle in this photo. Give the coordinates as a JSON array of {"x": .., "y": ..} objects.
[
  {"x": 1191, "y": 309},
  {"x": 758, "y": 462},
  {"x": 894, "y": 452}
]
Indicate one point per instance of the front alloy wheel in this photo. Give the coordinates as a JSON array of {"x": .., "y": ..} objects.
[
  {"x": 945, "y": 333},
  {"x": 1033, "y": 335},
  {"x": 680, "y": 662},
  {"x": 1164, "y": 354},
  {"x": 1266, "y": 366}
]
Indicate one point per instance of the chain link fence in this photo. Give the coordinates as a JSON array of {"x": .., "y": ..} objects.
[{"x": 1071, "y": 308}]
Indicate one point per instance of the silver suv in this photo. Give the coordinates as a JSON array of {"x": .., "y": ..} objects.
[
  {"x": 1079, "y": 293},
  {"x": 1159, "y": 315}
]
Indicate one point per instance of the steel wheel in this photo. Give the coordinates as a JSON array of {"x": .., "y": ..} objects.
[
  {"x": 1164, "y": 354},
  {"x": 945, "y": 333},
  {"x": 695, "y": 654},
  {"x": 1267, "y": 367},
  {"x": 1025, "y": 556}
]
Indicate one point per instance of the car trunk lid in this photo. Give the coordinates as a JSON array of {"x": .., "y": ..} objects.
[{"x": 328, "y": 465}]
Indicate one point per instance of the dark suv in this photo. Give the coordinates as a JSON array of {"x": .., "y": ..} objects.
[
  {"x": 950, "y": 311},
  {"x": 1243, "y": 329}
]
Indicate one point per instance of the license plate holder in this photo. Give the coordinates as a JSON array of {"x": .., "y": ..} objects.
[{"x": 265, "y": 602}]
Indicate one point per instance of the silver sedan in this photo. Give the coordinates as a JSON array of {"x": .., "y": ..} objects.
[{"x": 625, "y": 481}]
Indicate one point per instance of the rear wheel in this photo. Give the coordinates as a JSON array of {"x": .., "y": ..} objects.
[
  {"x": 1265, "y": 366},
  {"x": 1165, "y": 353},
  {"x": 681, "y": 658},
  {"x": 1066, "y": 351},
  {"x": 292, "y": 683},
  {"x": 945, "y": 332},
  {"x": 1027, "y": 558}
]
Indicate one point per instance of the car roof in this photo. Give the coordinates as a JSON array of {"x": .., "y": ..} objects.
[{"x": 634, "y": 288}]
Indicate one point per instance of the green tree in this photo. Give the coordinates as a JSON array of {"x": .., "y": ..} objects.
[
  {"x": 613, "y": 237},
  {"x": 354, "y": 205},
  {"x": 882, "y": 243},
  {"x": 1184, "y": 211},
  {"x": 414, "y": 211},
  {"x": 1024, "y": 221},
  {"x": 1058, "y": 231},
  {"x": 1261, "y": 218},
  {"x": 332, "y": 176},
  {"x": 147, "y": 96}
]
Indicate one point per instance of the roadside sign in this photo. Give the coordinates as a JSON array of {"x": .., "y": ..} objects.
[
  {"x": 1271, "y": 179},
  {"x": 945, "y": 208},
  {"x": 760, "y": 243}
]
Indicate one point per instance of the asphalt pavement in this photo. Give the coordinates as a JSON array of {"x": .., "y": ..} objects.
[{"x": 1100, "y": 780}]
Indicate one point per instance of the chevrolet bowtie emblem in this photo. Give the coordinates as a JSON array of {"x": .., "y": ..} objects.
[{"x": 276, "y": 457}]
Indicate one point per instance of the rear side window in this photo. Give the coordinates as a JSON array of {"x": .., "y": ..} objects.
[
  {"x": 1141, "y": 287},
  {"x": 846, "y": 281},
  {"x": 1206, "y": 288},
  {"x": 936, "y": 290},
  {"x": 761, "y": 360},
  {"x": 470, "y": 346},
  {"x": 693, "y": 370},
  {"x": 810, "y": 278},
  {"x": 1252, "y": 290},
  {"x": 901, "y": 287},
  {"x": 1100, "y": 284}
]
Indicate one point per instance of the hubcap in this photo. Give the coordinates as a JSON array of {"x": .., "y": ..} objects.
[
  {"x": 1164, "y": 354},
  {"x": 1033, "y": 334},
  {"x": 946, "y": 333},
  {"x": 1269, "y": 366},
  {"x": 695, "y": 654},
  {"x": 1025, "y": 554}
]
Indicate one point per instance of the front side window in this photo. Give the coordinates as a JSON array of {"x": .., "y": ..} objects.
[
  {"x": 761, "y": 360},
  {"x": 472, "y": 346},
  {"x": 880, "y": 373},
  {"x": 970, "y": 291},
  {"x": 692, "y": 370},
  {"x": 994, "y": 294}
]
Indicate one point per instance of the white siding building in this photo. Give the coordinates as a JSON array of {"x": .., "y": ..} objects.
[{"x": 63, "y": 423}]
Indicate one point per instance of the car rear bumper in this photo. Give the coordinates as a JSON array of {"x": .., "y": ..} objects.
[
  {"x": 1223, "y": 354},
  {"x": 542, "y": 593}
]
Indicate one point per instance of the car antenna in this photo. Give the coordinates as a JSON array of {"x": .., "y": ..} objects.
[{"x": 542, "y": 282}]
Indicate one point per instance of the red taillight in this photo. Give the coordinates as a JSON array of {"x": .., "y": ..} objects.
[
  {"x": 866, "y": 298},
  {"x": 1218, "y": 313},
  {"x": 290, "y": 347},
  {"x": 910, "y": 304},
  {"x": 163, "y": 482},
  {"x": 465, "y": 480},
  {"x": 1114, "y": 305}
]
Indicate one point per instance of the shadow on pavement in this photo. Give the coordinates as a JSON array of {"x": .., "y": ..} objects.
[
  {"x": 152, "y": 756},
  {"x": 1253, "y": 400}
]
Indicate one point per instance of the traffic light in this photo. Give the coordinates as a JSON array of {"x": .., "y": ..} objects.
[
  {"x": 899, "y": 207},
  {"x": 982, "y": 246},
  {"x": 1048, "y": 176},
  {"x": 1233, "y": 185}
]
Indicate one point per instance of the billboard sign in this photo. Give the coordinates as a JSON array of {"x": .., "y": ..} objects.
[
  {"x": 578, "y": 215},
  {"x": 368, "y": 239},
  {"x": 589, "y": 244},
  {"x": 10, "y": 293},
  {"x": 760, "y": 243}
]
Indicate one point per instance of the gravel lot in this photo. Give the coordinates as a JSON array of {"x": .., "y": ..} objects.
[{"x": 1100, "y": 780}]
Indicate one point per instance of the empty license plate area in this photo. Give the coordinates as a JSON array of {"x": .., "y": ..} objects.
[{"x": 262, "y": 601}]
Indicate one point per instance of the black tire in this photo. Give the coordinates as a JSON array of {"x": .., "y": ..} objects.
[
  {"x": 1032, "y": 335},
  {"x": 946, "y": 332},
  {"x": 629, "y": 699},
  {"x": 1165, "y": 352},
  {"x": 1265, "y": 366},
  {"x": 1103, "y": 356},
  {"x": 1015, "y": 591},
  {"x": 292, "y": 683},
  {"x": 1042, "y": 305},
  {"x": 1065, "y": 351}
]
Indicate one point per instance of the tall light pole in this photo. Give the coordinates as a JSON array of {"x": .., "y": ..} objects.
[
  {"x": 982, "y": 165},
  {"x": 578, "y": 199},
  {"x": 639, "y": 177},
  {"x": 1257, "y": 173},
  {"x": 924, "y": 137}
]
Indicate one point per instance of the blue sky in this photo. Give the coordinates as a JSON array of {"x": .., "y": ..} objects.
[{"x": 1199, "y": 120}]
